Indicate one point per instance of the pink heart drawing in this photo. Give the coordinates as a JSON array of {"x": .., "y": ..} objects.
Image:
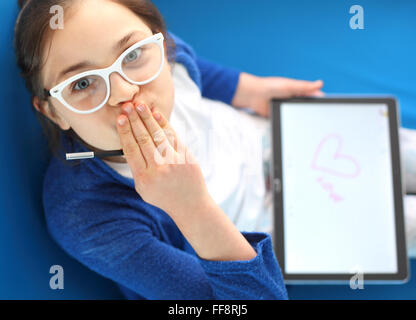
[{"x": 336, "y": 163}]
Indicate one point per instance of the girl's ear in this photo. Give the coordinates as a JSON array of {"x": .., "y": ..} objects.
[{"x": 43, "y": 107}]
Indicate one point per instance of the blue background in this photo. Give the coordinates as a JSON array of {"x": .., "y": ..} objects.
[{"x": 298, "y": 39}]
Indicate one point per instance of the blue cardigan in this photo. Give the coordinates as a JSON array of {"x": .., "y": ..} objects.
[{"x": 98, "y": 218}]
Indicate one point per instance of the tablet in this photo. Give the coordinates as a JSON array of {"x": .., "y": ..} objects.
[{"x": 338, "y": 193}]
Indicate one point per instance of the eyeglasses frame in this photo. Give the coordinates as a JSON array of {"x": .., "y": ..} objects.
[{"x": 56, "y": 91}]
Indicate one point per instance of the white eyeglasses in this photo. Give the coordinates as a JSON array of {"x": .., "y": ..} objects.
[{"x": 89, "y": 91}]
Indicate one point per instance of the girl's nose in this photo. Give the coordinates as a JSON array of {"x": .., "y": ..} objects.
[{"x": 121, "y": 90}]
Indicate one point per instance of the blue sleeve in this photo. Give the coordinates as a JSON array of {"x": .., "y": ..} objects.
[
  {"x": 218, "y": 82},
  {"x": 120, "y": 244},
  {"x": 259, "y": 278},
  {"x": 215, "y": 82}
]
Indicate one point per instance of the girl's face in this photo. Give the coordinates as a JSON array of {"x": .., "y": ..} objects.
[{"x": 91, "y": 32}]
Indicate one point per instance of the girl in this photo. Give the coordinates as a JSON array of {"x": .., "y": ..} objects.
[{"x": 113, "y": 78}]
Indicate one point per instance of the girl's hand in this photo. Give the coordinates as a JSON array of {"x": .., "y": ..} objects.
[
  {"x": 165, "y": 173},
  {"x": 255, "y": 92}
]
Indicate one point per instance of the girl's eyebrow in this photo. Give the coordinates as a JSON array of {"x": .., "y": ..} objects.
[
  {"x": 121, "y": 43},
  {"x": 84, "y": 64}
]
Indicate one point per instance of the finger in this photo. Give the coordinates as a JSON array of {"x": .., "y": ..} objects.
[
  {"x": 169, "y": 131},
  {"x": 317, "y": 93},
  {"x": 301, "y": 87},
  {"x": 130, "y": 147},
  {"x": 166, "y": 155},
  {"x": 157, "y": 133},
  {"x": 143, "y": 137}
]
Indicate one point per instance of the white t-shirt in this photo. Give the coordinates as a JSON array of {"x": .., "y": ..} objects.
[{"x": 227, "y": 143}]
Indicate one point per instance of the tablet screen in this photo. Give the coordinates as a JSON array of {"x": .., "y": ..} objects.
[{"x": 337, "y": 189}]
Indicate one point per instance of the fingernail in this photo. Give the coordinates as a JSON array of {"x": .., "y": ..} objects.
[
  {"x": 122, "y": 121},
  {"x": 140, "y": 108},
  {"x": 319, "y": 94},
  {"x": 128, "y": 108},
  {"x": 157, "y": 116}
]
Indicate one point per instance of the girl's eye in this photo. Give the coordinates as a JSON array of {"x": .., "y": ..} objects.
[
  {"x": 132, "y": 56},
  {"x": 82, "y": 84}
]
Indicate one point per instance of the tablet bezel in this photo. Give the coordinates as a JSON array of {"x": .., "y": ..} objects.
[{"x": 402, "y": 274}]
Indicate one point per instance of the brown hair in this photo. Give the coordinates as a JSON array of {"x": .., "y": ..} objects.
[{"x": 31, "y": 31}]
